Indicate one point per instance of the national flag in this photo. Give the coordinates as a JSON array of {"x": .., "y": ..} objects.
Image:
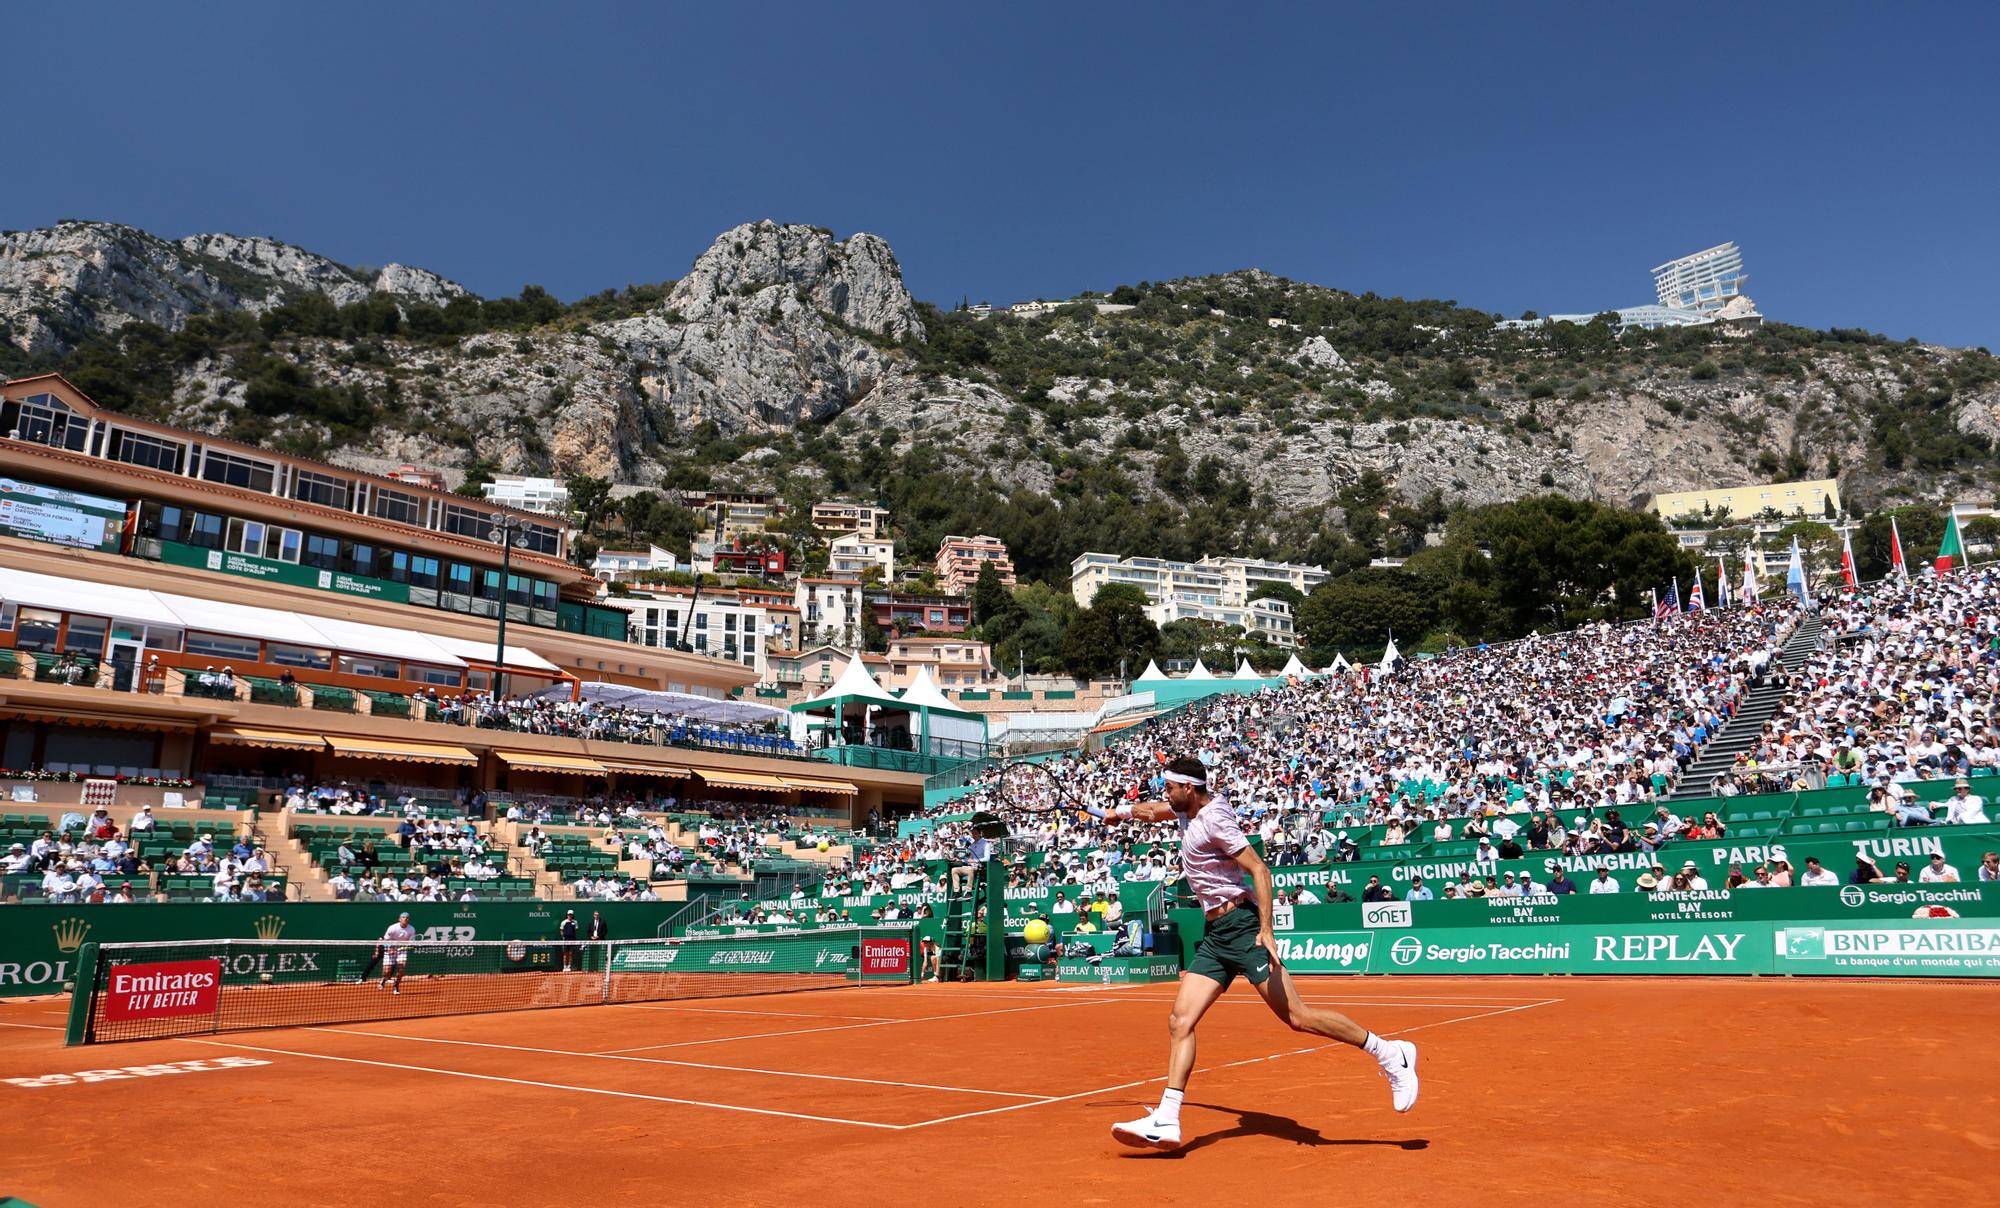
[
  {"x": 1695, "y": 601},
  {"x": 1847, "y": 559},
  {"x": 1896, "y": 563},
  {"x": 1795, "y": 574},
  {"x": 1749, "y": 582},
  {"x": 1952, "y": 551},
  {"x": 1721, "y": 583},
  {"x": 1672, "y": 604}
]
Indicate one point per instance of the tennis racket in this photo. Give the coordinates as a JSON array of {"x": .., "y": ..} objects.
[{"x": 1032, "y": 788}]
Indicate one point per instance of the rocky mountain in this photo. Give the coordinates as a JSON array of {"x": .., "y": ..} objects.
[
  {"x": 63, "y": 284},
  {"x": 789, "y": 359}
]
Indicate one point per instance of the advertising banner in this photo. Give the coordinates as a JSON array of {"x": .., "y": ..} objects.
[
  {"x": 249, "y": 566},
  {"x": 1907, "y": 949},
  {"x": 887, "y": 956},
  {"x": 39, "y": 946},
  {"x": 163, "y": 989}
]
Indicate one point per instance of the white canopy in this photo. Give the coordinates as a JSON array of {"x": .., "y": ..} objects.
[
  {"x": 1152, "y": 672},
  {"x": 1338, "y": 665},
  {"x": 1294, "y": 667},
  {"x": 854, "y": 681},
  {"x": 1200, "y": 672},
  {"x": 924, "y": 693},
  {"x": 1244, "y": 671},
  {"x": 1389, "y": 655}
]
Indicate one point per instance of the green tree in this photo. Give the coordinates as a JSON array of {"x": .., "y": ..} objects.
[
  {"x": 1114, "y": 627},
  {"x": 989, "y": 594},
  {"x": 1362, "y": 608},
  {"x": 478, "y": 473},
  {"x": 589, "y": 496},
  {"x": 1922, "y": 529}
]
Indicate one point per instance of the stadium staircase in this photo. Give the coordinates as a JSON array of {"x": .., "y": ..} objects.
[
  {"x": 1760, "y": 704},
  {"x": 289, "y": 856}
]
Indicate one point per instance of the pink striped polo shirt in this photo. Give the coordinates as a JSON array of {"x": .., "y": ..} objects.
[{"x": 1210, "y": 841}]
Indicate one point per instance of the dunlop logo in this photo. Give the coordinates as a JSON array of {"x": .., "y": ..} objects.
[
  {"x": 270, "y": 927},
  {"x": 69, "y": 934}
]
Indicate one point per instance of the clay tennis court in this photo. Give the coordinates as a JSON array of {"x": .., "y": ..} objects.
[{"x": 1596, "y": 1091}]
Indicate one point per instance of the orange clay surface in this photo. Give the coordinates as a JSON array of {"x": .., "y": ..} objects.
[{"x": 1534, "y": 1092}]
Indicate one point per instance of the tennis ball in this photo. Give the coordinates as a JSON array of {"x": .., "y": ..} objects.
[
  {"x": 1036, "y": 932},
  {"x": 825, "y": 846}
]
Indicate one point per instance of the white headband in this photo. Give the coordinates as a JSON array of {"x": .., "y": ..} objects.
[{"x": 1181, "y": 778}]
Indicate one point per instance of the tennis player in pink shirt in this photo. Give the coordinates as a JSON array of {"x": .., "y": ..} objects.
[{"x": 1215, "y": 856}]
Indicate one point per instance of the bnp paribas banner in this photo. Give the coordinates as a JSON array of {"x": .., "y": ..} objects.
[
  {"x": 1909, "y": 949},
  {"x": 1940, "y": 947}
]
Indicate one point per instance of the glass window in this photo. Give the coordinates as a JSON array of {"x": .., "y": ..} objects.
[
  {"x": 203, "y": 530},
  {"x": 489, "y": 585},
  {"x": 223, "y": 646},
  {"x": 467, "y": 522},
  {"x": 461, "y": 578},
  {"x": 323, "y": 552},
  {"x": 86, "y": 635},
  {"x": 282, "y": 543},
  {"x": 517, "y": 590},
  {"x": 369, "y": 665},
  {"x": 358, "y": 557},
  {"x": 423, "y": 571},
  {"x": 542, "y": 539},
  {"x": 163, "y": 637},
  {"x": 298, "y": 656},
  {"x": 324, "y": 489},
  {"x": 45, "y": 420},
  {"x": 7, "y": 615},
  {"x": 446, "y": 677},
  {"x": 238, "y": 471},
  {"x": 139, "y": 449},
  {"x": 244, "y": 537},
  {"x": 36, "y": 629},
  {"x": 396, "y": 505}
]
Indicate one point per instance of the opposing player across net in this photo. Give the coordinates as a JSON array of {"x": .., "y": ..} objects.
[{"x": 193, "y": 987}]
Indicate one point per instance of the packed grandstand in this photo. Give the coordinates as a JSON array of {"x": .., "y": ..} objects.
[{"x": 1517, "y": 769}]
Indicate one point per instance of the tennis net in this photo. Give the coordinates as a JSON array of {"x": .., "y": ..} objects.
[{"x": 145, "y": 991}]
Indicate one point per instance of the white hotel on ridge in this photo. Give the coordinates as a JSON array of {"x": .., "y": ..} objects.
[{"x": 1216, "y": 590}]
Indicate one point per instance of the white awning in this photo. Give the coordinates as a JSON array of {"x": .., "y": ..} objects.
[
  {"x": 482, "y": 652},
  {"x": 27, "y": 588},
  {"x": 854, "y": 681},
  {"x": 241, "y": 620},
  {"x": 381, "y": 640}
]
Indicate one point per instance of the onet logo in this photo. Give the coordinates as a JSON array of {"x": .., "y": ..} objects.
[
  {"x": 270, "y": 927},
  {"x": 1386, "y": 914},
  {"x": 1407, "y": 950},
  {"x": 1851, "y": 896},
  {"x": 69, "y": 934}
]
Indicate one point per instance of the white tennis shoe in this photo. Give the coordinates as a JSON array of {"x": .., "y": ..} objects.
[
  {"x": 1148, "y": 1133},
  {"x": 1399, "y": 1066}
]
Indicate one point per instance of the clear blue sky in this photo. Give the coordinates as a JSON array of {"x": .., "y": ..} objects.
[{"x": 1507, "y": 156}]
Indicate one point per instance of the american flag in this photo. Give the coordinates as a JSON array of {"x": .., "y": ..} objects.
[{"x": 1672, "y": 604}]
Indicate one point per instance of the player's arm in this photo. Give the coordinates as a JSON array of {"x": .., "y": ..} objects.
[
  {"x": 1260, "y": 879},
  {"x": 1134, "y": 811}
]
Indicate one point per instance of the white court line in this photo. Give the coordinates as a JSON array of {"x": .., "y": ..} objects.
[
  {"x": 39, "y": 1027},
  {"x": 845, "y": 1027},
  {"x": 693, "y": 1065},
  {"x": 647, "y": 1006},
  {"x": 553, "y": 1086},
  {"x": 1105, "y": 1090}
]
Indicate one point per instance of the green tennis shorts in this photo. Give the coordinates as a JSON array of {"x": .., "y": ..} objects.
[{"x": 1229, "y": 946}]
